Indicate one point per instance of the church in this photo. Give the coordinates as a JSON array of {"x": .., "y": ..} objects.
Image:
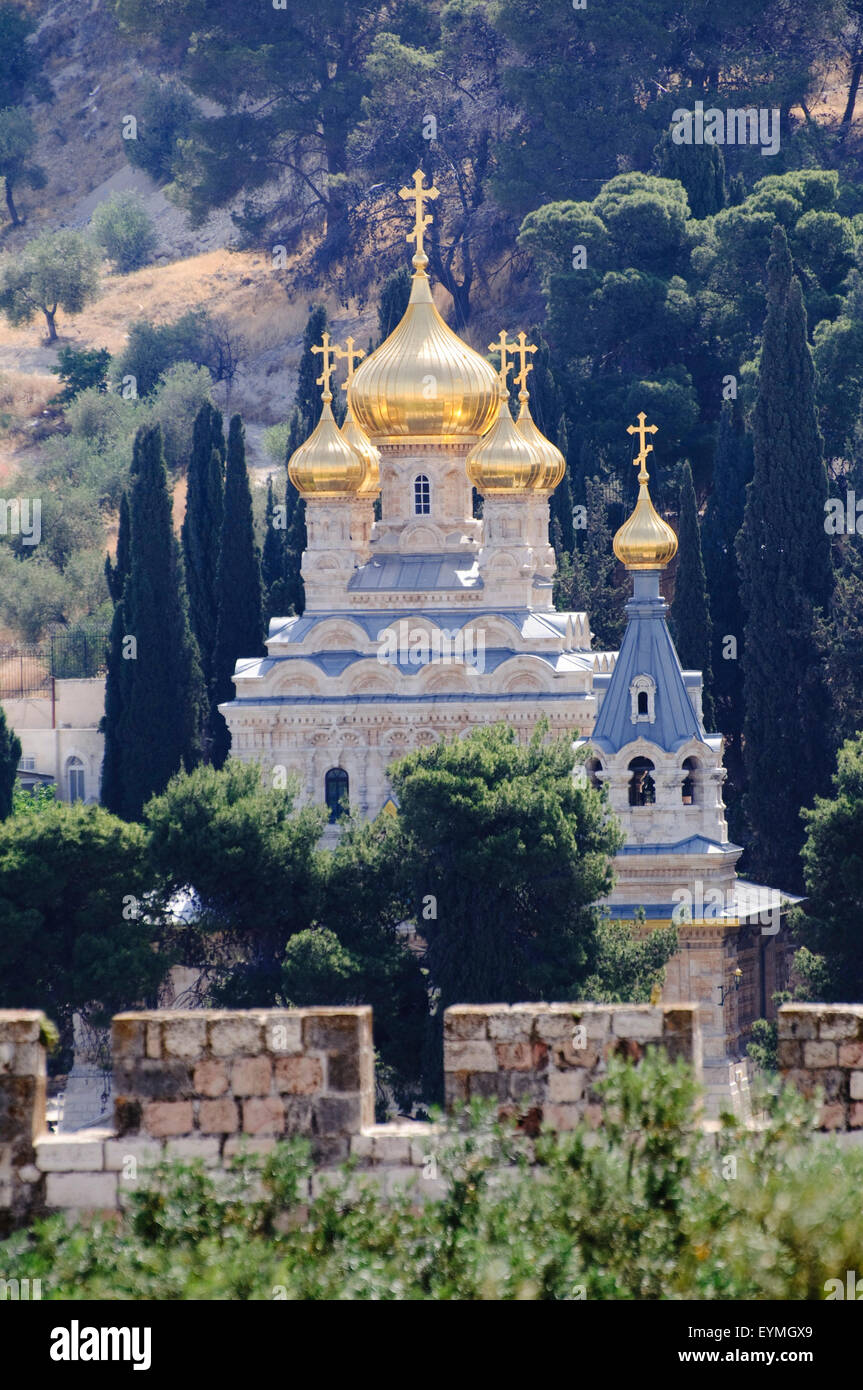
[{"x": 427, "y": 622}]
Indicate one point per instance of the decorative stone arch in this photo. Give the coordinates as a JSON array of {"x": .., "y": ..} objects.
[
  {"x": 302, "y": 678},
  {"x": 642, "y": 693},
  {"x": 445, "y": 680},
  {"x": 694, "y": 777},
  {"x": 642, "y": 781},
  {"x": 593, "y": 769},
  {"x": 495, "y": 632},
  {"x": 521, "y": 675},
  {"x": 372, "y": 678},
  {"x": 338, "y": 634},
  {"x": 421, "y": 536}
]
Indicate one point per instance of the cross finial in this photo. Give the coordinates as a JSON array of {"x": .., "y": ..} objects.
[
  {"x": 422, "y": 219},
  {"x": 328, "y": 366},
  {"x": 353, "y": 355},
  {"x": 504, "y": 348},
  {"x": 522, "y": 349},
  {"x": 642, "y": 430}
]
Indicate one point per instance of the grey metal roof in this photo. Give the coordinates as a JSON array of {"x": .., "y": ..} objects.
[{"x": 403, "y": 573}]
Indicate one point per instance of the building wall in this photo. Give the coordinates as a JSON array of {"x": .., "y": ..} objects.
[{"x": 47, "y": 749}]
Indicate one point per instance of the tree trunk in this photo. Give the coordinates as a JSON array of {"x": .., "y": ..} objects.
[
  {"x": 52, "y": 327},
  {"x": 13, "y": 212},
  {"x": 848, "y": 113}
]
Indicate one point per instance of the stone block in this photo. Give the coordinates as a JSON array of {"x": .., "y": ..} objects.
[
  {"x": 145, "y": 1152},
  {"x": 804, "y": 1081},
  {"x": 463, "y": 1024},
  {"x": 263, "y": 1115},
  {"x": 338, "y": 1115},
  {"x": 390, "y": 1149},
  {"x": 20, "y": 1025},
  {"x": 283, "y": 1035},
  {"x": 205, "y": 1151},
  {"x": 855, "y": 1115},
  {"x": 560, "y": 1117},
  {"x": 344, "y": 1071},
  {"x": 211, "y": 1078},
  {"x": 515, "y": 1056},
  {"x": 526, "y": 1085},
  {"x": 797, "y": 1025},
  {"x": 128, "y": 1036},
  {"x": 469, "y": 1056},
  {"x": 789, "y": 1053},
  {"x": 339, "y": 1031},
  {"x": 29, "y": 1058},
  {"x": 186, "y": 1038},
  {"x": 154, "y": 1040},
  {"x": 362, "y": 1147},
  {"x": 506, "y": 1027},
  {"x": 638, "y": 1024},
  {"x": 235, "y": 1036},
  {"x": 166, "y": 1118},
  {"x": 856, "y": 1085},
  {"x": 820, "y": 1054},
  {"x": 299, "y": 1114},
  {"x": 92, "y": 1191},
  {"x": 241, "y": 1144},
  {"x": 401, "y": 1179},
  {"x": 566, "y": 1086},
  {"x": 251, "y": 1076},
  {"x": 844, "y": 1025},
  {"x": 22, "y": 1107},
  {"x": 490, "y": 1085},
  {"x": 70, "y": 1154},
  {"x": 151, "y": 1079},
  {"x": 299, "y": 1076},
  {"x": 218, "y": 1116},
  {"x": 832, "y": 1117},
  {"x": 851, "y": 1054}
]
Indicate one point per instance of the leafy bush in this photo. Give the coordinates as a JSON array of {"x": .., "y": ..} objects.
[
  {"x": 80, "y": 369},
  {"x": 124, "y": 229},
  {"x": 181, "y": 392},
  {"x": 646, "y": 1209},
  {"x": 152, "y": 349},
  {"x": 166, "y": 115}
]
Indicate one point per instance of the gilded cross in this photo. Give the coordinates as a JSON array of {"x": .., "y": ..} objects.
[
  {"x": 353, "y": 355},
  {"x": 642, "y": 430},
  {"x": 504, "y": 348},
  {"x": 523, "y": 348},
  {"x": 328, "y": 365},
  {"x": 422, "y": 219}
]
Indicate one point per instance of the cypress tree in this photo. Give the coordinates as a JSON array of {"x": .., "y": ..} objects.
[
  {"x": 240, "y": 627},
  {"x": 155, "y": 701},
  {"x": 274, "y": 558},
  {"x": 395, "y": 293},
  {"x": 785, "y": 570},
  {"x": 690, "y": 609},
  {"x": 561, "y": 500},
  {"x": 594, "y": 590},
  {"x": 202, "y": 528},
  {"x": 10, "y": 755},
  {"x": 308, "y": 392},
  {"x": 115, "y": 574},
  {"x": 701, "y": 170}
]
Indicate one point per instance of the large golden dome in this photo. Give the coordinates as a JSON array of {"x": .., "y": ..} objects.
[
  {"x": 644, "y": 541},
  {"x": 504, "y": 461},
  {"x": 423, "y": 383}
]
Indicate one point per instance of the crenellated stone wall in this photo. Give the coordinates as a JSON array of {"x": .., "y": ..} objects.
[{"x": 820, "y": 1050}]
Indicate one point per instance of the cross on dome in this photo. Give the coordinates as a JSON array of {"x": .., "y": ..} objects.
[
  {"x": 504, "y": 348},
  {"x": 328, "y": 366},
  {"x": 422, "y": 219},
  {"x": 642, "y": 430},
  {"x": 353, "y": 355},
  {"x": 522, "y": 349}
]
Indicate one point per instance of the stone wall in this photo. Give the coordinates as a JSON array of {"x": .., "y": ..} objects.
[
  {"x": 820, "y": 1050},
  {"x": 542, "y": 1061},
  {"x": 22, "y": 1112}
]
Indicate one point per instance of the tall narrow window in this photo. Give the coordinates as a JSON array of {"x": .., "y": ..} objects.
[
  {"x": 422, "y": 495},
  {"x": 336, "y": 793},
  {"x": 642, "y": 702},
  {"x": 642, "y": 788},
  {"x": 75, "y": 776}
]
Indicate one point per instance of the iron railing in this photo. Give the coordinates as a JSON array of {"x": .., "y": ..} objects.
[{"x": 26, "y": 670}]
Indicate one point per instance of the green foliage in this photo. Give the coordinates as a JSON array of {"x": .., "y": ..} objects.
[
  {"x": 690, "y": 609},
  {"x": 393, "y": 301},
  {"x": 839, "y": 638},
  {"x": 10, "y": 754},
  {"x": 250, "y": 859},
  {"x": 587, "y": 583},
  {"x": 701, "y": 170},
  {"x": 642, "y": 1211},
  {"x": 74, "y": 932},
  {"x": 828, "y": 925},
  {"x": 56, "y": 270},
  {"x": 154, "y": 699},
  {"x": 80, "y": 369},
  {"x": 180, "y": 394},
  {"x": 165, "y": 118},
  {"x": 17, "y": 142},
  {"x": 240, "y": 620},
  {"x": 151, "y": 350},
  {"x": 202, "y": 529},
  {"x": 308, "y": 398},
  {"x": 785, "y": 571},
  {"x": 34, "y": 803},
  {"x": 628, "y": 968},
  {"x": 20, "y": 75},
  {"x": 124, "y": 229}
]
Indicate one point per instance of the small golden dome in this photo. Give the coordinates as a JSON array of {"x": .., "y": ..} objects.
[
  {"x": 327, "y": 465},
  {"x": 367, "y": 452},
  {"x": 644, "y": 541},
  {"x": 423, "y": 383},
  {"x": 504, "y": 461},
  {"x": 553, "y": 462}
]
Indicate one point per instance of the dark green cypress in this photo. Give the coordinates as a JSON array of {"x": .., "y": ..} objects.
[
  {"x": 701, "y": 170},
  {"x": 594, "y": 590},
  {"x": 274, "y": 558},
  {"x": 308, "y": 392},
  {"x": 115, "y": 574},
  {"x": 240, "y": 627},
  {"x": 395, "y": 293},
  {"x": 154, "y": 728},
  {"x": 689, "y": 616},
  {"x": 785, "y": 571},
  {"x": 723, "y": 518},
  {"x": 10, "y": 755},
  {"x": 202, "y": 528},
  {"x": 561, "y": 499}
]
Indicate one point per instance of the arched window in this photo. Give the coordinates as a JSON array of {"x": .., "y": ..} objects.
[
  {"x": 642, "y": 702},
  {"x": 422, "y": 496},
  {"x": 593, "y": 767},
  {"x": 336, "y": 793},
  {"x": 642, "y": 788},
  {"x": 75, "y": 779},
  {"x": 642, "y": 693},
  {"x": 691, "y": 790}
]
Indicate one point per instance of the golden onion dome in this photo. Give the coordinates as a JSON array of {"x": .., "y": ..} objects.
[
  {"x": 367, "y": 452},
  {"x": 327, "y": 465},
  {"x": 644, "y": 541},
  {"x": 423, "y": 383},
  {"x": 553, "y": 462},
  {"x": 504, "y": 461}
]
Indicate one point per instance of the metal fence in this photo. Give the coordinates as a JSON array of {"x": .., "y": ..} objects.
[{"x": 26, "y": 671}]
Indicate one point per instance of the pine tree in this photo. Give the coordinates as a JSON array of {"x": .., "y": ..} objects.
[
  {"x": 202, "y": 528},
  {"x": 240, "y": 627},
  {"x": 690, "y": 610},
  {"x": 785, "y": 571},
  {"x": 155, "y": 726},
  {"x": 10, "y": 755},
  {"x": 308, "y": 392},
  {"x": 115, "y": 574}
]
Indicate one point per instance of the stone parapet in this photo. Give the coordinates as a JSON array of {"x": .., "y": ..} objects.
[{"x": 820, "y": 1051}]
